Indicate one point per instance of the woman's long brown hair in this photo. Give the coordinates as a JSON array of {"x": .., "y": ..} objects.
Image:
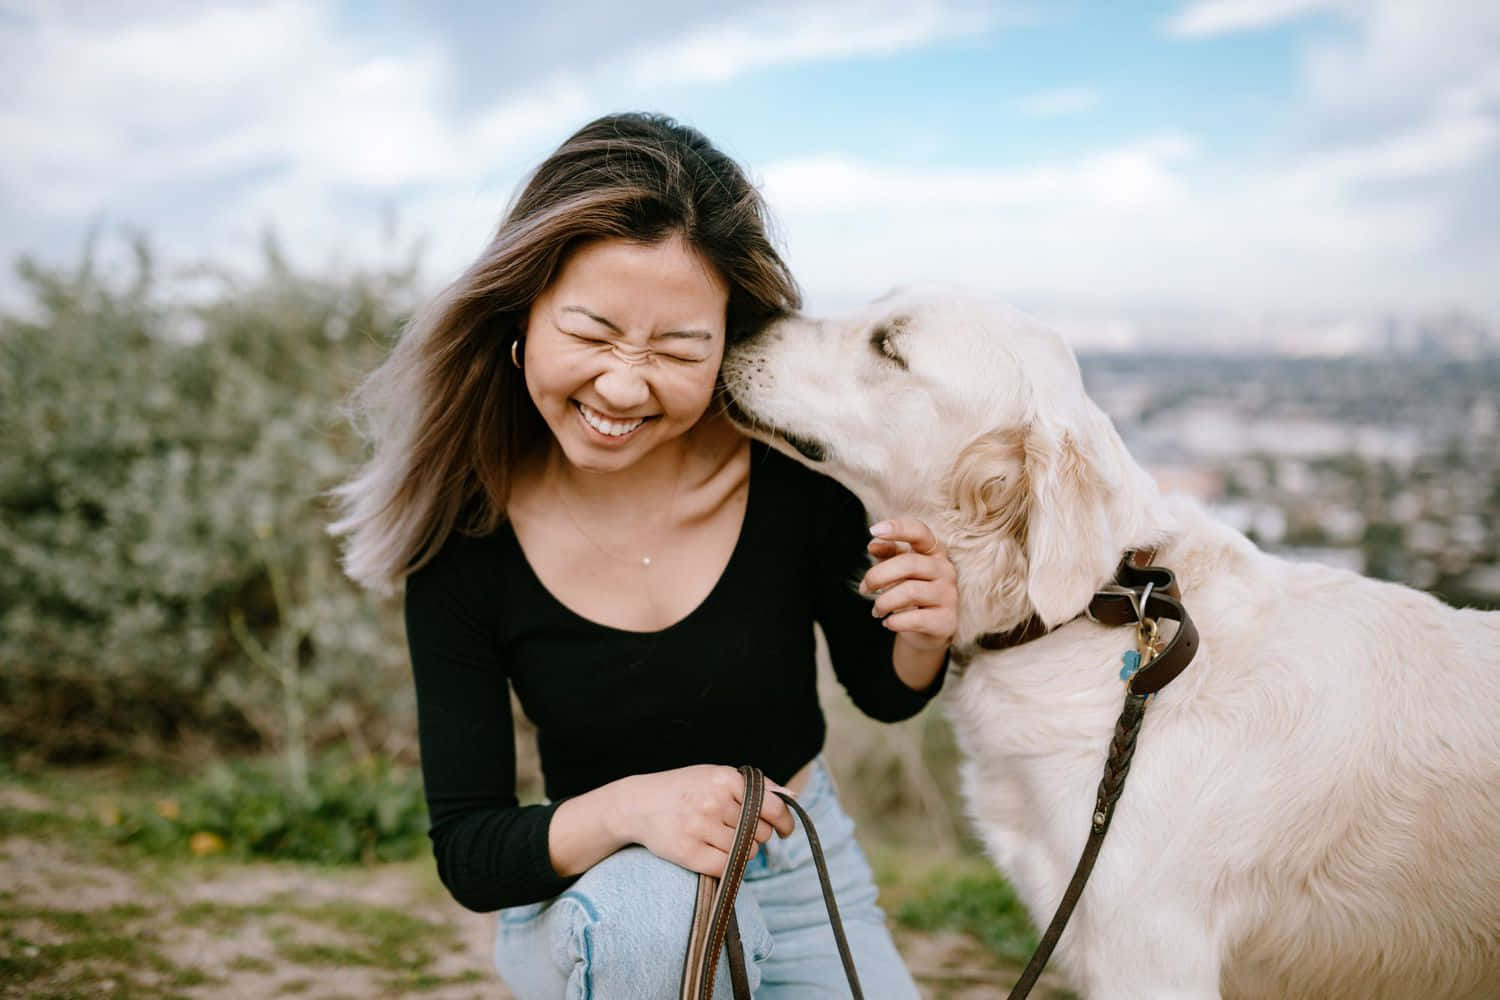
[{"x": 447, "y": 413}]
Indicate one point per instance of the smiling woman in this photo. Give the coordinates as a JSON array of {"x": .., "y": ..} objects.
[{"x": 575, "y": 519}]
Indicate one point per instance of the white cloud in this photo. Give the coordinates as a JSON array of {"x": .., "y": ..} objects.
[
  {"x": 1051, "y": 103},
  {"x": 794, "y": 33},
  {"x": 1443, "y": 144},
  {"x": 1144, "y": 222},
  {"x": 1210, "y": 18},
  {"x": 1401, "y": 57},
  {"x": 1126, "y": 178}
]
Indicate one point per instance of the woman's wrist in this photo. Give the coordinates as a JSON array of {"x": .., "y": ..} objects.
[
  {"x": 590, "y": 827},
  {"x": 617, "y": 816},
  {"x": 916, "y": 664}
]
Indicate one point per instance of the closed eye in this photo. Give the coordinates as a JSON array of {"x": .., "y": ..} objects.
[{"x": 880, "y": 340}]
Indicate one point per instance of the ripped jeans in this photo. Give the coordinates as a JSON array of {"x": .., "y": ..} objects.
[{"x": 620, "y": 932}]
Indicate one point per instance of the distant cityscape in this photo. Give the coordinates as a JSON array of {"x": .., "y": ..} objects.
[
  {"x": 1450, "y": 335},
  {"x": 1385, "y": 462}
]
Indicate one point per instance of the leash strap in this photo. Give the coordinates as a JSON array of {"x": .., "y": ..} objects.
[
  {"x": 1140, "y": 593},
  {"x": 714, "y": 923},
  {"x": 1121, "y": 750}
]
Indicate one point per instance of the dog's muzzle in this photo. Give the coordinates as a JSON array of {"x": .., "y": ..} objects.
[{"x": 809, "y": 448}]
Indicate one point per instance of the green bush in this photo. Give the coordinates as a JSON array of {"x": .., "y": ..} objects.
[
  {"x": 350, "y": 812},
  {"x": 164, "y": 569}
]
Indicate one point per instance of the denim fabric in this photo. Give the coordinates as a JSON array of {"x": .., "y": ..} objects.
[{"x": 620, "y": 931}]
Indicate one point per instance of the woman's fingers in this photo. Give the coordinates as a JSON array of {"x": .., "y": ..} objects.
[
  {"x": 906, "y": 566},
  {"x": 915, "y": 594},
  {"x": 776, "y": 812},
  {"x": 707, "y": 860},
  {"x": 911, "y": 530},
  {"x": 935, "y": 624},
  {"x": 914, "y": 582}
]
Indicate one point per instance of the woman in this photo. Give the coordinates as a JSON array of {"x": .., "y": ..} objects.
[{"x": 575, "y": 517}]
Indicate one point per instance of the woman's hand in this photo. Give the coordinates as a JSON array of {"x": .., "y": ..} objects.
[
  {"x": 914, "y": 583},
  {"x": 689, "y": 815}
]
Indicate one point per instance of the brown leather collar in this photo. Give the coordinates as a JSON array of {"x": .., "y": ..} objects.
[{"x": 1121, "y": 604}]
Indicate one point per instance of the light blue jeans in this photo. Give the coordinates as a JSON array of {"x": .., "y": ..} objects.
[{"x": 620, "y": 932}]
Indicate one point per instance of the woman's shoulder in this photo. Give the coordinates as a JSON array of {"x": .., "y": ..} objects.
[
  {"x": 786, "y": 478},
  {"x": 464, "y": 557}
]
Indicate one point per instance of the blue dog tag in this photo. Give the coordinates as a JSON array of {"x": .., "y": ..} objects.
[{"x": 1132, "y": 661}]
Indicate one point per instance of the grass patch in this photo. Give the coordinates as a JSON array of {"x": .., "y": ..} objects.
[
  {"x": 373, "y": 936},
  {"x": 249, "y": 963},
  {"x": 39, "y": 823},
  {"x": 981, "y": 904},
  {"x": 221, "y": 917},
  {"x": 104, "y": 953},
  {"x": 106, "y": 822}
]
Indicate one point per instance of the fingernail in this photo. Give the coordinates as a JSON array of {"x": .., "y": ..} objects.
[{"x": 880, "y": 530}]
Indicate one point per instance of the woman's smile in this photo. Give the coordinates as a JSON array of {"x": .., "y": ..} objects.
[{"x": 611, "y": 429}]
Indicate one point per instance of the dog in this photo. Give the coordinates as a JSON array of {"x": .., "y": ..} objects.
[{"x": 1314, "y": 805}]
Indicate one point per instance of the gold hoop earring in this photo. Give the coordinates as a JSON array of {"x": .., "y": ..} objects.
[{"x": 513, "y": 359}]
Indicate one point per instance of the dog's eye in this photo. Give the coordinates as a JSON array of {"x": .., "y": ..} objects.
[{"x": 880, "y": 339}]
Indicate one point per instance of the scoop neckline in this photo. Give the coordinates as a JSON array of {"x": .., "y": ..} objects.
[{"x": 719, "y": 583}]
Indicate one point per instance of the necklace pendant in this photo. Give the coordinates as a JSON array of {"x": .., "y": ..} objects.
[{"x": 645, "y": 560}]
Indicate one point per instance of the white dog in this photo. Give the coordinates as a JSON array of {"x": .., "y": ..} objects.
[{"x": 1314, "y": 806}]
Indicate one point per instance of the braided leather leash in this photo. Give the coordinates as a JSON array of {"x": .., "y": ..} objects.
[
  {"x": 714, "y": 924},
  {"x": 1140, "y": 595}
]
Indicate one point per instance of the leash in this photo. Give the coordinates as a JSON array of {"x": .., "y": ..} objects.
[
  {"x": 714, "y": 924},
  {"x": 1140, "y": 594},
  {"x": 1143, "y": 595}
]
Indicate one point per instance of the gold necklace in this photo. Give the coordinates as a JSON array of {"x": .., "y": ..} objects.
[{"x": 643, "y": 561}]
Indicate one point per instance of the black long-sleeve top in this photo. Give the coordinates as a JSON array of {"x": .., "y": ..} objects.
[{"x": 734, "y": 682}]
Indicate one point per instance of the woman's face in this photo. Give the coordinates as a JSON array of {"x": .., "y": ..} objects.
[{"x": 623, "y": 348}]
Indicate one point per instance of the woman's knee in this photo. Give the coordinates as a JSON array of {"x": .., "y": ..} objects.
[
  {"x": 641, "y": 902},
  {"x": 620, "y": 930}
]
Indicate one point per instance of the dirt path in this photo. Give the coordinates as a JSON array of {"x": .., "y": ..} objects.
[{"x": 84, "y": 919}]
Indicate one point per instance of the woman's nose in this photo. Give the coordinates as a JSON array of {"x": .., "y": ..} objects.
[{"x": 623, "y": 387}]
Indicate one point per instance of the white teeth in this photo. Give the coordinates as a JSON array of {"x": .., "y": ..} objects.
[{"x": 614, "y": 428}]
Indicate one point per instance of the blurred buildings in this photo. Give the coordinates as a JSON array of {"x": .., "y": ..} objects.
[{"x": 1387, "y": 464}]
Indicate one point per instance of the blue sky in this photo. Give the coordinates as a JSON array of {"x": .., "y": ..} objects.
[{"x": 1262, "y": 158}]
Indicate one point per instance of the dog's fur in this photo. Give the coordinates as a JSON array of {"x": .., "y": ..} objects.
[{"x": 1314, "y": 806}]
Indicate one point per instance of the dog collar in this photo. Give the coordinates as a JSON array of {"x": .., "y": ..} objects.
[{"x": 1139, "y": 592}]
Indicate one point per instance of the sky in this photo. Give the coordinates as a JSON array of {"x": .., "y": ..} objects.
[{"x": 1299, "y": 158}]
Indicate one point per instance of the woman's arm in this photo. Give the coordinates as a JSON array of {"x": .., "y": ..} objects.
[
  {"x": 490, "y": 851},
  {"x": 890, "y": 674}
]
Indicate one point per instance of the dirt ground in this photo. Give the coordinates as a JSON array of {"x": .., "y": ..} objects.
[{"x": 85, "y": 920}]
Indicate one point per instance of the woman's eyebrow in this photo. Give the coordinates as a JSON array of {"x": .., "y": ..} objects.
[
  {"x": 596, "y": 319},
  {"x": 690, "y": 334}
]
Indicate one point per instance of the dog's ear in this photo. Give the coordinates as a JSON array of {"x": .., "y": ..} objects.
[
  {"x": 988, "y": 488},
  {"x": 1069, "y": 538},
  {"x": 988, "y": 496}
]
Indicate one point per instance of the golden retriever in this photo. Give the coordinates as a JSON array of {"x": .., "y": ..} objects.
[{"x": 1314, "y": 807}]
